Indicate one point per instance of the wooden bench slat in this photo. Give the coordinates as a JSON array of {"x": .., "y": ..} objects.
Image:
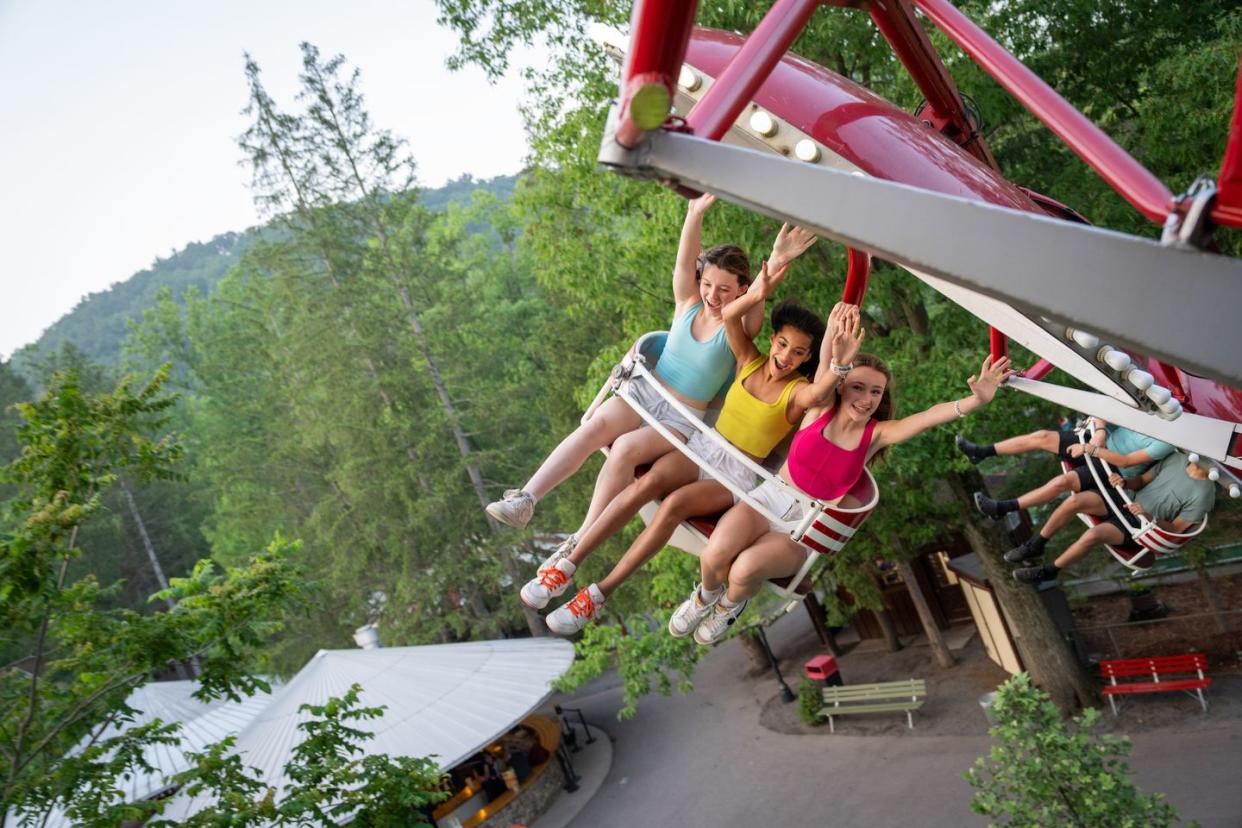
[
  {"x": 1156, "y": 687},
  {"x": 830, "y": 697},
  {"x": 871, "y": 708}
]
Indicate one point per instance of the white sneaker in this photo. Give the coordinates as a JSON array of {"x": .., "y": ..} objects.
[
  {"x": 551, "y": 580},
  {"x": 581, "y": 610},
  {"x": 691, "y": 613},
  {"x": 514, "y": 509},
  {"x": 717, "y": 624}
]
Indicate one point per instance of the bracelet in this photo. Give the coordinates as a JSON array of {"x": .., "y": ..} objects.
[
  {"x": 958, "y": 408},
  {"x": 840, "y": 370}
]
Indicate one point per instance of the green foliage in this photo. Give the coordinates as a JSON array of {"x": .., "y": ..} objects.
[
  {"x": 810, "y": 702},
  {"x": 1044, "y": 772},
  {"x": 329, "y": 783},
  {"x": 75, "y": 663}
]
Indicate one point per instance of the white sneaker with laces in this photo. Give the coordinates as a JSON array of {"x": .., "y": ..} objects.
[
  {"x": 514, "y": 509},
  {"x": 581, "y": 610},
  {"x": 691, "y": 612},
  {"x": 552, "y": 580},
  {"x": 717, "y": 624}
]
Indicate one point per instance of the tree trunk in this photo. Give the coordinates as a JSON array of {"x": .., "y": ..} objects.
[
  {"x": 1210, "y": 595},
  {"x": 891, "y": 640},
  {"x": 1045, "y": 653},
  {"x": 146, "y": 541},
  {"x": 939, "y": 649},
  {"x": 754, "y": 651},
  {"x": 819, "y": 620}
]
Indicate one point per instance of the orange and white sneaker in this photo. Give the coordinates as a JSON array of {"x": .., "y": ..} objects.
[
  {"x": 551, "y": 580},
  {"x": 580, "y": 611}
]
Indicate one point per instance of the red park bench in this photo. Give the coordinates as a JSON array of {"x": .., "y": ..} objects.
[{"x": 1157, "y": 668}]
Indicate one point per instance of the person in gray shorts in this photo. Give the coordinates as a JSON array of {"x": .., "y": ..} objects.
[{"x": 1175, "y": 493}]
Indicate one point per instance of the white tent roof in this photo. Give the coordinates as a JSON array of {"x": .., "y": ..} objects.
[
  {"x": 202, "y": 723},
  {"x": 446, "y": 701}
]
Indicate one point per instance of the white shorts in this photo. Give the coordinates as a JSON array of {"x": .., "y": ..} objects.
[
  {"x": 729, "y": 470},
  {"x": 777, "y": 497},
  {"x": 655, "y": 404}
]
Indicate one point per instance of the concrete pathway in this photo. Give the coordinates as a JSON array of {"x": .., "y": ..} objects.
[
  {"x": 703, "y": 759},
  {"x": 592, "y": 763}
]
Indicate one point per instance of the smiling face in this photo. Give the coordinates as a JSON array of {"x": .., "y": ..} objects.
[
  {"x": 717, "y": 288},
  {"x": 790, "y": 348},
  {"x": 861, "y": 393}
]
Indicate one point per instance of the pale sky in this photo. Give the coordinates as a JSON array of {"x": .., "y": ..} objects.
[{"x": 119, "y": 122}]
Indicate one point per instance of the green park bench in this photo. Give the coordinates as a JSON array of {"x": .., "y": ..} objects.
[{"x": 887, "y": 697}]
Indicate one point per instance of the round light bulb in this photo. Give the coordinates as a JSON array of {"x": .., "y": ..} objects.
[
  {"x": 1139, "y": 378},
  {"x": 689, "y": 79},
  {"x": 763, "y": 123},
  {"x": 1171, "y": 410},
  {"x": 1213, "y": 474},
  {"x": 1235, "y": 490},
  {"x": 1083, "y": 338},
  {"x": 807, "y": 150},
  {"x": 1193, "y": 457},
  {"x": 1113, "y": 358},
  {"x": 1159, "y": 394}
]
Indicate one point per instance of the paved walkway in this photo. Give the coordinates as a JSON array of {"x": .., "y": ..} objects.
[
  {"x": 592, "y": 763},
  {"x": 703, "y": 759}
]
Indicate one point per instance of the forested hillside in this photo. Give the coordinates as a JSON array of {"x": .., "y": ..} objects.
[{"x": 98, "y": 324}]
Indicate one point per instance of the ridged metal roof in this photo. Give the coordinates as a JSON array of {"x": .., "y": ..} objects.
[{"x": 446, "y": 701}]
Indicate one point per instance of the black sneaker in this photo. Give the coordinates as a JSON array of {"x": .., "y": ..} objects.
[
  {"x": 1033, "y": 574},
  {"x": 987, "y": 506},
  {"x": 974, "y": 453},
  {"x": 1025, "y": 551}
]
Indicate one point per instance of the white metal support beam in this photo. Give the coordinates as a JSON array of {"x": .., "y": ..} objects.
[{"x": 1176, "y": 304}]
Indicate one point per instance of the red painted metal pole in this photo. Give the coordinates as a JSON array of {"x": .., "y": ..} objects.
[
  {"x": 1039, "y": 370},
  {"x": 1128, "y": 177},
  {"x": 895, "y": 20},
  {"x": 1228, "y": 206},
  {"x": 998, "y": 344},
  {"x": 661, "y": 30},
  {"x": 719, "y": 107},
  {"x": 856, "y": 275}
]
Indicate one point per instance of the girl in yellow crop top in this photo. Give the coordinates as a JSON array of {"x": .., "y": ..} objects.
[{"x": 767, "y": 399}]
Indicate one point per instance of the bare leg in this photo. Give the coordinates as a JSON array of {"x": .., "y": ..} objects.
[
  {"x": 1050, "y": 491},
  {"x": 1083, "y": 503},
  {"x": 670, "y": 472},
  {"x": 702, "y": 497},
  {"x": 611, "y": 420},
  {"x": 628, "y": 452},
  {"x": 739, "y": 528},
  {"x": 1042, "y": 440},
  {"x": 1103, "y": 533},
  {"x": 772, "y": 556}
]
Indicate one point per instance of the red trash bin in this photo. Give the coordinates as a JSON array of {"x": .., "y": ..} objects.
[{"x": 824, "y": 668}]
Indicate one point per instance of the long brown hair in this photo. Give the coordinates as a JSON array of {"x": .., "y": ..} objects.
[{"x": 887, "y": 407}]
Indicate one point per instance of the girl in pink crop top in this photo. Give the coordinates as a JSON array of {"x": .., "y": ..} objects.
[{"x": 825, "y": 460}]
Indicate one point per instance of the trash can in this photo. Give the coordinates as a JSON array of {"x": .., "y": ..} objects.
[
  {"x": 988, "y": 702},
  {"x": 824, "y": 668}
]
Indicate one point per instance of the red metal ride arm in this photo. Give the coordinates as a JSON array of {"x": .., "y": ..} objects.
[
  {"x": 719, "y": 107},
  {"x": 1228, "y": 207},
  {"x": 661, "y": 30},
  {"x": 856, "y": 276},
  {"x": 1135, "y": 183}
]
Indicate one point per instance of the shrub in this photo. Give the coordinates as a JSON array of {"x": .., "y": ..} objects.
[{"x": 810, "y": 702}]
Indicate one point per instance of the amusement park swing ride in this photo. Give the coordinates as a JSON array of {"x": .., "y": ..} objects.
[{"x": 1149, "y": 327}]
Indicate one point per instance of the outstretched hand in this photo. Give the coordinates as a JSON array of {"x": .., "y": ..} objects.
[
  {"x": 1076, "y": 450},
  {"x": 790, "y": 243},
  {"x": 991, "y": 375},
  {"x": 769, "y": 278},
  {"x": 845, "y": 332},
  {"x": 699, "y": 206}
]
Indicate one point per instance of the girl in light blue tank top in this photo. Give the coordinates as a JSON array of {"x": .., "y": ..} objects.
[{"x": 695, "y": 364}]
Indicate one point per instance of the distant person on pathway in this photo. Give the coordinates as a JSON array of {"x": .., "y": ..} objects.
[
  {"x": 825, "y": 460},
  {"x": 694, "y": 366}
]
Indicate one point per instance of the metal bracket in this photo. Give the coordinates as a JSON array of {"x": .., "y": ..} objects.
[{"x": 1189, "y": 222}]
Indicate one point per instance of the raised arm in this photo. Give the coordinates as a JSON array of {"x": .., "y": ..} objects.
[
  {"x": 790, "y": 243},
  {"x": 842, "y": 341},
  {"x": 737, "y": 313},
  {"x": 685, "y": 283},
  {"x": 991, "y": 375}
]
